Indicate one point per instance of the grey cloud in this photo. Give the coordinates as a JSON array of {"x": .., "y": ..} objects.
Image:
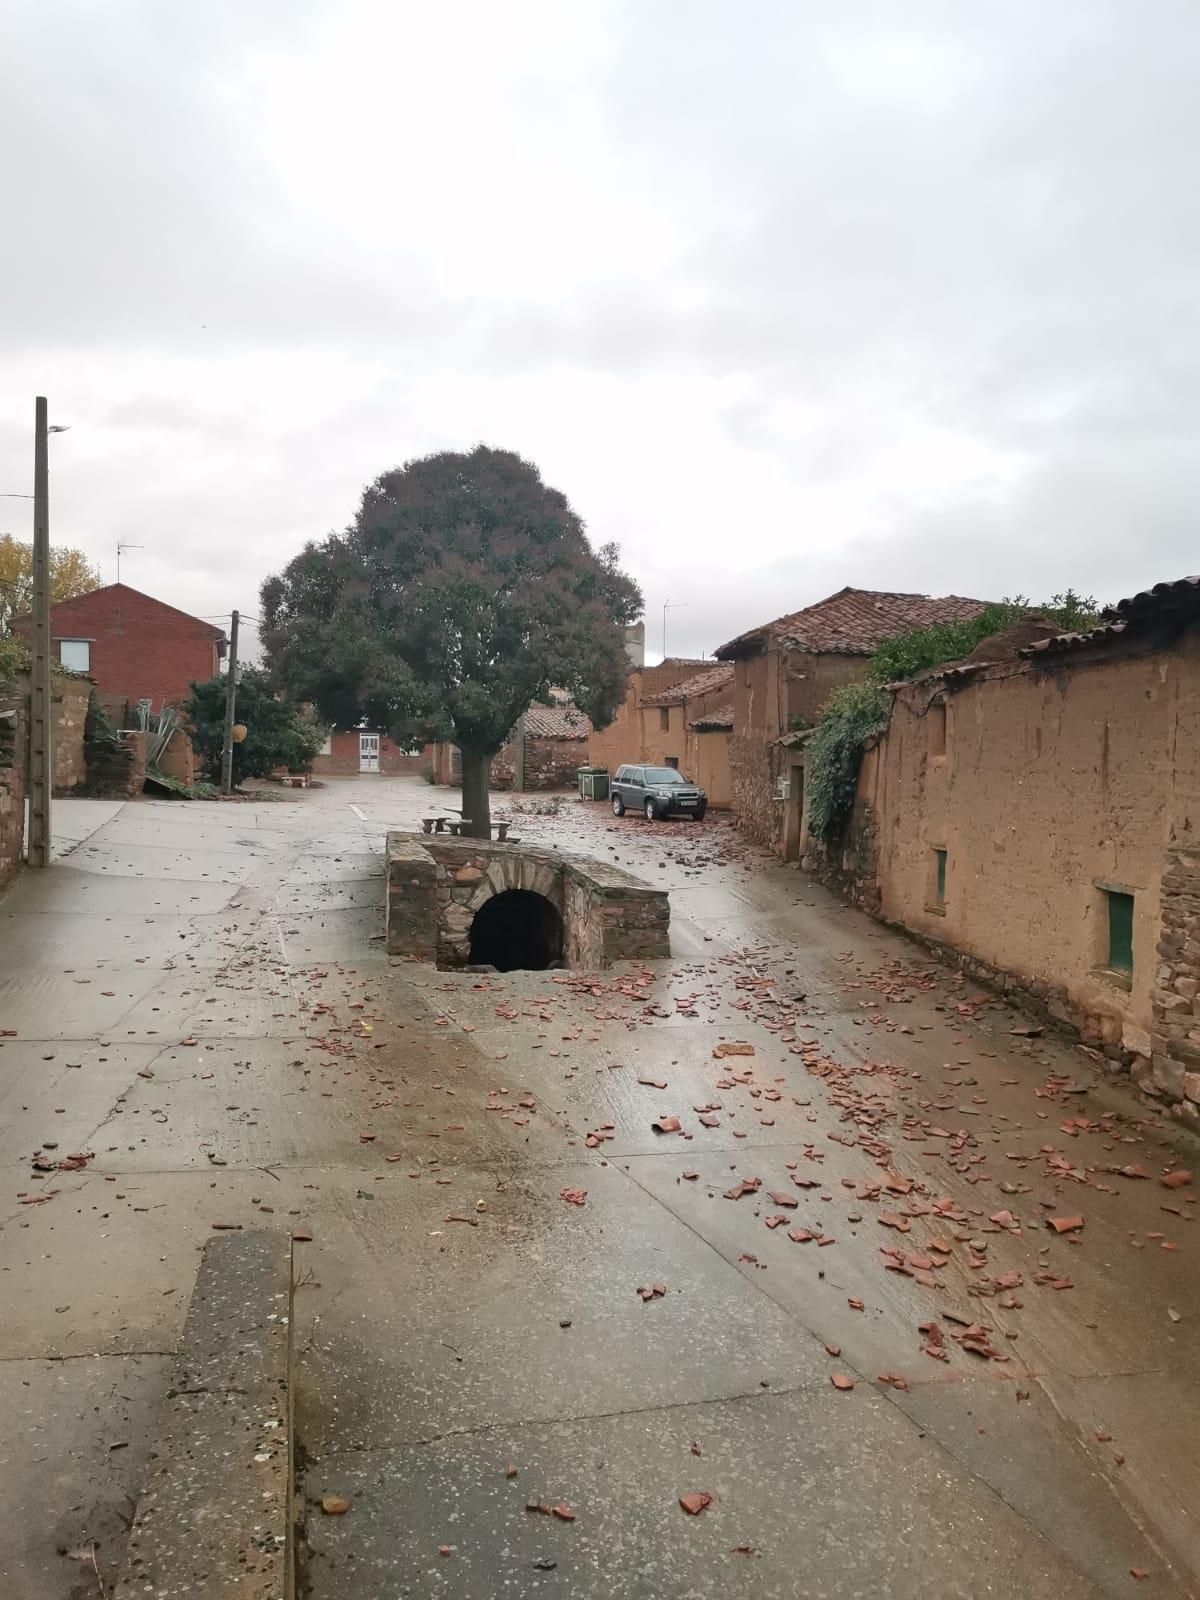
[{"x": 870, "y": 294}]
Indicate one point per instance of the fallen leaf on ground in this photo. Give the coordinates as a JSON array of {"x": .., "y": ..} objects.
[
  {"x": 839, "y": 1380},
  {"x": 667, "y": 1124},
  {"x": 574, "y": 1197},
  {"x": 694, "y": 1504}
]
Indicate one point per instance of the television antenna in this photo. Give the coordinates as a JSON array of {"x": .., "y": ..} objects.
[{"x": 123, "y": 544}]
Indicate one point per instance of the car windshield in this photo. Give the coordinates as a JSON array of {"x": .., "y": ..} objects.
[{"x": 666, "y": 776}]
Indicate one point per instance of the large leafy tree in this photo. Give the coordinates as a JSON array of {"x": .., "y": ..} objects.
[
  {"x": 464, "y": 589},
  {"x": 71, "y": 574}
]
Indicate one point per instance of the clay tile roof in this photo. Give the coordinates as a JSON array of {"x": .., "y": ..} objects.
[
  {"x": 719, "y": 676},
  {"x": 556, "y": 722},
  {"x": 1178, "y": 595},
  {"x": 853, "y": 622},
  {"x": 714, "y": 721}
]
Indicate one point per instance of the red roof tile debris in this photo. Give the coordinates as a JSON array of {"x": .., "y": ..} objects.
[
  {"x": 853, "y": 622},
  {"x": 719, "y": 676}
]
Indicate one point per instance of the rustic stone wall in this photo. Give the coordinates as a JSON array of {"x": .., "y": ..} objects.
[
  {"x": 436, "y": 884},
  {"x": 755, "y": 809},
  {"x": 412, "y": 902},
  {"x": 12, "y": 787},
  {"x": 549, "y": 763},
  {"x": 70, "y": 703},
  {"x": 1175, "y": 1036}
]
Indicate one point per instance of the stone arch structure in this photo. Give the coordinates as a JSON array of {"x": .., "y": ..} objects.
[{"x": 437, "y": 885}]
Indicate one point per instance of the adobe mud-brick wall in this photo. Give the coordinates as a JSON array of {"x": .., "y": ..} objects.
[{"x": 436, "y": 884}]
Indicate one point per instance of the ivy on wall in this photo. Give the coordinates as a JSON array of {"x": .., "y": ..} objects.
[{"x": 852, "y": 714}]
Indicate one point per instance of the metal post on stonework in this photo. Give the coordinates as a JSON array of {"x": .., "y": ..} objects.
[
  {"x": 230, "y": 707},
  {"x": 41, "y": 729},
  {"x": 518, "y": 781}
]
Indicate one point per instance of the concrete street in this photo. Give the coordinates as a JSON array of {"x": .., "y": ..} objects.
[{"x": 196, "y": 1000}]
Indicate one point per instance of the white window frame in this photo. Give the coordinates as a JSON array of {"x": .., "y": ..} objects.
[{"x": 69, "y": 666}]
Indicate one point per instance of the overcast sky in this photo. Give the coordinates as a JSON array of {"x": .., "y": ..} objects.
[{"x": 783, "y": 296}]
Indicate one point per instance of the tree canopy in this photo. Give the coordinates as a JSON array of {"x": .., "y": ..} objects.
[
  {"x": 278, "y": 734},
  {"x": 463, "y": 591},
  {"x": 71, "y": 574}
]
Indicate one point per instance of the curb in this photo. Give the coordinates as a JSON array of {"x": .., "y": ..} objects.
[{"x": 214, "y": 1516}]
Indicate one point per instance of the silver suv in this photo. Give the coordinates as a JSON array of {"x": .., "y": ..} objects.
[{"x": 657, "y": 792}]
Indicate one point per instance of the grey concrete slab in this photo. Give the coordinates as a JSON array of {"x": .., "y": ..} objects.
[
  {"x": 1154, "y": 1423},
  {"x": 106, "y": 1267},
  {"x": 73, "y": 1450},
  {"x": 835, "y": 1496},
  {"x": 1061, "y": 1484},
  {"x": 267, "y": 1102},
  {"x": 817, "y": 1284},
  {"x": 67, "y": 943},
  {"x": 61, "y": 1091},
  {"x": 355, "y": 935},
  {"x": 422, "y": 1325},
  {"x": 65, "y": 889},
  {"x": 329, "y": 895},
  {"x": 44, "y": 1004},
  {"x": 200, "y": 861}
]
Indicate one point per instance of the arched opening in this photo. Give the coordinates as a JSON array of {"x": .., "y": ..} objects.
[{"x": 517, "y": 931}]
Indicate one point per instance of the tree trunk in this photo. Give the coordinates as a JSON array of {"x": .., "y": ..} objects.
[{"x": 476, "y": 808}]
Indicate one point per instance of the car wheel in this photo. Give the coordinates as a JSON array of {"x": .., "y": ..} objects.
[
  {"x": 651, "y": 811},
  {"x": 618, "y": 806},
  {"x": 700, "y": 810}
]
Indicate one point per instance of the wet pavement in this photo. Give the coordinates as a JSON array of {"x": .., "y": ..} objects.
[{"x": 199, "y": 1006}]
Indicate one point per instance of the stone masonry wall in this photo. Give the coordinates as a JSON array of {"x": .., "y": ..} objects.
[
  {"x": 1175, "y": 1038},
  {"x": 436, "y": 884},
  {"x": 755, "y": 809},
  {"x": 70, "y": 703},
  {"x": 549, "y": 763},
  {"x": 412, "y": 909}
]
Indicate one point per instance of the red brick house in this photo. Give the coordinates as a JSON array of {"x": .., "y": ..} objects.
[
  {"x": 352, "y": 750},
  {"x": 132, "y": 646}
]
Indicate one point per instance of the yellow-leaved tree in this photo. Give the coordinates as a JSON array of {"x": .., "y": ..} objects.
[{"x": 71, "y": 574}]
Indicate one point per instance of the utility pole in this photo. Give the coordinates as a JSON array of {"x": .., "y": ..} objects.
[
  {"x": 230, "y": 707},
  {"x": 41, "y": 730}
]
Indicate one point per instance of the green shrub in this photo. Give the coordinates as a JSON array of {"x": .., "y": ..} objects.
[
  {"x": 14, "y": 656},
  {"x": 427, "y": 773}
]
